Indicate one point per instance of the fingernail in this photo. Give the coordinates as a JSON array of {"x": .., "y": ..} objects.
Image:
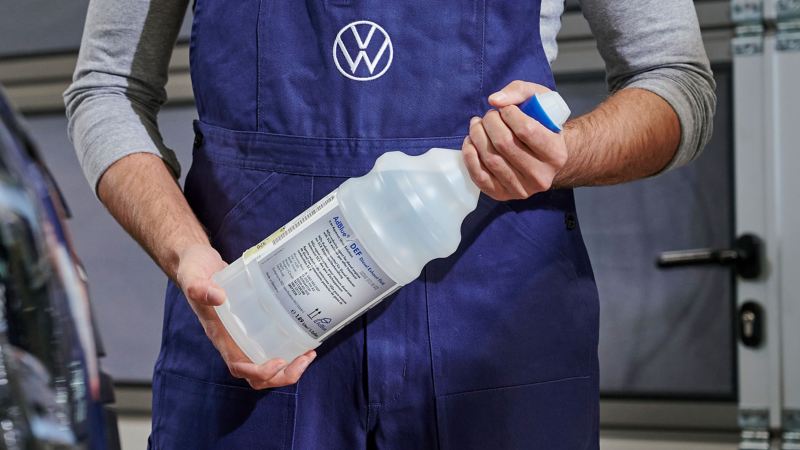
[
  {"x": 497, "y": 96},
  {"x": 474, "y": 120},
  {"x": 304, "y": 364}
]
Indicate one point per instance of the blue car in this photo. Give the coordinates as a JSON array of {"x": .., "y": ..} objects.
[{"x": 53, "y": 394}]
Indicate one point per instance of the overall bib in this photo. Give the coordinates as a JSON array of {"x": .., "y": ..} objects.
[{"x": 493, "y": 347}]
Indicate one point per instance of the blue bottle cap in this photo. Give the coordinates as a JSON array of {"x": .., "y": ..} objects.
[{"x": 549, "y": 109}]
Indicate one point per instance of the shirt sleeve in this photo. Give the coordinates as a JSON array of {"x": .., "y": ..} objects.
[
  {"x": 656, "y": 45},
  {"x": 118, "y": 85}
]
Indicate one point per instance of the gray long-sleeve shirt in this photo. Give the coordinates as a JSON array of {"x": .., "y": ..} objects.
[{"x": 118, "y": 86}]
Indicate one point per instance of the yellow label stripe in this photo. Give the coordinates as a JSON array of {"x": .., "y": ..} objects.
[{"x": 254, "y": 249}]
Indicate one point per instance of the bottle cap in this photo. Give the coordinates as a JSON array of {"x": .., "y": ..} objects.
[
  {"x": 555, "y": 107},
  {"x": 548, "y": 108}
]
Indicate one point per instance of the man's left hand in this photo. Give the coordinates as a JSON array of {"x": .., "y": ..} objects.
[{"x": 510, "y": 155}]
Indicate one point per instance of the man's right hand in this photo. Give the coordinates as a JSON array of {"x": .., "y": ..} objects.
[
  {"x": 196, "y": 265},
  {"x": 142, "y": 195}
]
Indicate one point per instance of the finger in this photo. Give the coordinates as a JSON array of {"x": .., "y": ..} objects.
[
  {"x": 509, "y": 145},
  {"x": 287, "y": 375},
  {"x": 204, "y": 291},
  {"x": 535, "y": 159},
  {"x": 536, "y": 138},
  {"x": 480, "y": 176},
  {"x": 221, "y": 339},
  {"x": 215, "y": 295},
  {"x": 486, "y": 156},
  {"x": 502, "y": 144},
  {"x": 515, "y": 93},
  {"x": 257, "y": 372},
  {"x": 292, "y": 373}
]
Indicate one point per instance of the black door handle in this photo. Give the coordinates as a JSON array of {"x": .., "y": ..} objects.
[{"x": 745, "y": 257}]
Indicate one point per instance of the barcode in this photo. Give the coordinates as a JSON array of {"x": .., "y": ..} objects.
[{"x": 302, "y": 219}]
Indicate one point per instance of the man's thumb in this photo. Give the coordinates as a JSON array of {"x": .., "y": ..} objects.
[{"x": 205, "y": 292}]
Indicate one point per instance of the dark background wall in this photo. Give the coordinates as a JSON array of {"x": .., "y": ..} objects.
[{"x": 22, "y": 22}]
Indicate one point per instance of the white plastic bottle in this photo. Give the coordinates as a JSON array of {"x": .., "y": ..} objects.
[{"x": 353, "y": 248}]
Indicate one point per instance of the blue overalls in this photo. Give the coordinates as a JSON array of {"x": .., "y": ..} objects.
[{"x": 494, "y": 347}]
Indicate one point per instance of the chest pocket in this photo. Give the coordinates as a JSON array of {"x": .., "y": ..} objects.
[{"x": 370, "y": 69}]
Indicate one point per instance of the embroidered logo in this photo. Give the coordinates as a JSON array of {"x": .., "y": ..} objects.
[{"x": 362, "y": 41}]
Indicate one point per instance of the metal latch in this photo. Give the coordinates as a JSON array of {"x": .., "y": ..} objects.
[
  {"x": 751, "y": 324},
  {"x": 745, "y": 256}
]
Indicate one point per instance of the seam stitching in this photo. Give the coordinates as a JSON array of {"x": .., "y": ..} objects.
[{"x": 433, "y": 369}]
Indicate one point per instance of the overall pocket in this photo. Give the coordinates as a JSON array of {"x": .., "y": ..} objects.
[
  {"x": 550, "y": 415},
  {"x": 241, "y": 205},
  {"x": 193, "y": 414},
  {"x": 509, "y": 308}
]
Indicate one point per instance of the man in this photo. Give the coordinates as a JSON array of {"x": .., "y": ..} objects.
[{"x": 493, "y": 347}]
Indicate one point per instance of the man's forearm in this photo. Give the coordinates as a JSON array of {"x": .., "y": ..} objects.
[
  {"x": 631, "y": 135},
  {"x": 140, "y": 192}
]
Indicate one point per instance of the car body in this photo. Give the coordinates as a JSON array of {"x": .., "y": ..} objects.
[{"x": 52, "y": 392}]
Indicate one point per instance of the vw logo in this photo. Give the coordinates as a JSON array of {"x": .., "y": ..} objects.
[{"x": 362, "y": 41}]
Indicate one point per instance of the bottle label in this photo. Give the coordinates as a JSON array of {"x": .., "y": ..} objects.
[{"x": 319, "y": 271}]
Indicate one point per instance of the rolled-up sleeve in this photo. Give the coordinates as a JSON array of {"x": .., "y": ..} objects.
[
  {"x": 118, "y": 85},
  {"x": 656, "y": 45}
]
